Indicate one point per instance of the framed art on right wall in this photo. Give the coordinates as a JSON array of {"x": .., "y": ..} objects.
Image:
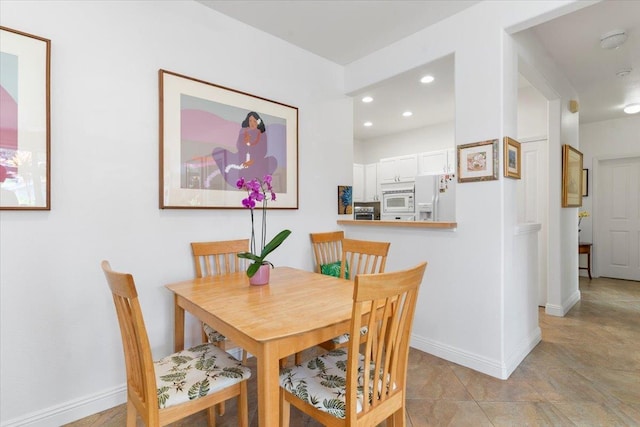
[
  {"x": 571, "y": 177},
  {"x": 512, "y": 162}
]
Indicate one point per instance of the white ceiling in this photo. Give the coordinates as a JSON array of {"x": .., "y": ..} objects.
[{"x": 344, "y": 31}]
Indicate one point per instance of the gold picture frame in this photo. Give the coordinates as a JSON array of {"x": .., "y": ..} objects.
[
  {"x": 512, "y": 158},
  {"x": 571, "y": 177},
  {"x": 478, "y": 161}
]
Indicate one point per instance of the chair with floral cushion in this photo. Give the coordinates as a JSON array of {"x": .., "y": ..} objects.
[
  {"x": 215, "y": 258},
  {"x": 345, "y": 387},
  {"x": 327, "y": 249},
  {"x": 359, "y": 257},
  {"x": 180, "y": 384}
]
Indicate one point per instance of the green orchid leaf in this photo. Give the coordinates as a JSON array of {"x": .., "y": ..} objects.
[
  {"x": 249, "y": 255},
  {"x": 274, "y": 243}
]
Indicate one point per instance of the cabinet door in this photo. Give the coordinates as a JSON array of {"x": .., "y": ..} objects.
[
  {"x": 407, "y": 167},
  {"x": 371, "y": 182},
  {"x": 432, "y": 162},
  {"x": 358, "y": 183},
  {"x": 387, "y": 171}
]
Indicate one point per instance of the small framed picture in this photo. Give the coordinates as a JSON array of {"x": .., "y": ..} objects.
[
  {"x": 585, "y": 182},
  {"x": 571, "y": 177},
  {"x": 345, "y": 200},
  {"x": 512, "y": 163},
  {"x": 478, "y": 161}
]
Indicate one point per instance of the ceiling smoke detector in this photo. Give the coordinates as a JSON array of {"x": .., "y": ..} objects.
[{"x": 613, "y": 39}]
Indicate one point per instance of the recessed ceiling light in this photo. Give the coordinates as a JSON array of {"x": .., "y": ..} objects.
[
  {"x": 427, "y": 79},
  {"x": 407, "y": 114},
  {"x": 368, "y": 124},
  {"x": 613, "y": 39},
  {"x": 367, "y": 99},
  {"x": 632, "y": 109}
]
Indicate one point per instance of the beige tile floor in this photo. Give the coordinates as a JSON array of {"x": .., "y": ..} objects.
[{"x": 585, "y": 372}]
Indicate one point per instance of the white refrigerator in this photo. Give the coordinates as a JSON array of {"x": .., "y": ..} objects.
[{"x": 435, "y": 198}]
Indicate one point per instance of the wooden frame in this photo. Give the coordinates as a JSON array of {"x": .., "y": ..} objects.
[
  {"x": 571, "y": 177},
  {"x": 585, "y": 182},
  {"x": 512, "y": 158},
  {"x": 345, "y": 202},
  {"x": 210, "y": 136},
  {"x": 25, "y": 149},
  {"x": 478, "y": 161}
]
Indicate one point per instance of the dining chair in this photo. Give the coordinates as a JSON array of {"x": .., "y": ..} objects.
[
  {"x": 359, "y": 257},
  {"x": 216, "y": 258},
  {"x": 346, "y": 387},
  {"x": 180, "y": 384},
  {"x": 327, "y": 249}
]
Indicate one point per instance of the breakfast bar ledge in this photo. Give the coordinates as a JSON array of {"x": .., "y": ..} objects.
[{"x": 405, "y": 224}]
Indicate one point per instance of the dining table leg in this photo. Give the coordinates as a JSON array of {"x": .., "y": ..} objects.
[
  {"x": 268, "y": 386},
  {"x": 178, "y": 333}
]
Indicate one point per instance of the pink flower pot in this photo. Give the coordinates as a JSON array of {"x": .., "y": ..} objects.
[{"x": 262, "y": 276}]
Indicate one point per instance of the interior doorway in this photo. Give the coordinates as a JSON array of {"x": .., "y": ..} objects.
[{"x": 617, "y": 218}]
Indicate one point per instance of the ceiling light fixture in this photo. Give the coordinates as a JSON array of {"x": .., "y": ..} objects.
[
  {"x": 624, "y": 72},
  {"x": 407, "y": 114},
  {"x": 368, "y": 124},
  {"x": 367, "y": 99},
  {"x": 613, "y": 39},
  {"x": 632, "y": 109},
  {"x": 427, "y": 79}
]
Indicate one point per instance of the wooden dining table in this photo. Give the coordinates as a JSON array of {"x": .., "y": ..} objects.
[{"x": 296, "y": 310}]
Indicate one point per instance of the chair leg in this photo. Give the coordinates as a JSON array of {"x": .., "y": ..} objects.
[
  {"x": 244, "y": 356},
  {"x": 211, "y": 416},
  {"x": 221, "y": 408},
  {"x": 397, "y": 419},
  {"x": 243, "y": 406},
  {"x": 298, "y": 359},
  {"x": 285, "y": 409},
  {"x": 131, "y": 414},
  {"x": 283, "y": 362}
]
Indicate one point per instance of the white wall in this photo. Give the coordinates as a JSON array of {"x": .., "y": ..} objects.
[
  {"x": 429, "y": 138},
  {"x": 61, "y": 355},
  {"x": 608, "y": 139}
]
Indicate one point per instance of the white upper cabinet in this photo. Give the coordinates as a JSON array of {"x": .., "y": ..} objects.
[
  {"x": 371, "y": 183},
  {"x": 436, "y": 162},
  {"x": 358, "y": 182},
  {"x": 398, "y": 169}
]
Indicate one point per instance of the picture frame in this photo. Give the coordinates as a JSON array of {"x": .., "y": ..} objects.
[
  {"x": 345, "y": 200},
  {"x": 478, "y": 161},
  {"x": 25, "y": 144},
  {"x": 585, "y": 182},
  {"x": 211, "y": 136},
  {"x": 512, "y": 158},
  {"x": 571, "y": 177}
]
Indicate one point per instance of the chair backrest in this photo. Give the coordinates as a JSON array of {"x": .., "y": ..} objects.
[
  {"x": 363, "y": 257},
  {"x": 383, "y": 372},
  {"x": 327, "y": 247},
  {"x": 214, "y": 258},
  {"x": 141, "y": 380}
]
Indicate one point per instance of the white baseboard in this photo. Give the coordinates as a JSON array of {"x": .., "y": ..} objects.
[
  {"x": 476, "y": 362},
  {"x": 72, "y": 410},
  {"x": 560, "y": 311}
]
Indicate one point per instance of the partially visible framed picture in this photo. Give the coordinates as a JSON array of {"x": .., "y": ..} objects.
[
  {"x": 211, "y": 136},
  {"x": 478, "y": 161},
  {"x": 345, "y": 199},
  {"x": 25, "y": 165},
  {"x": 571, "y": 177},
  {"x": 512, "y": 162},
  {"x": 585, "y": 182}
]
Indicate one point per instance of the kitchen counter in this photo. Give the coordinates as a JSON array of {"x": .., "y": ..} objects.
[{"x": 404, "y": 224}]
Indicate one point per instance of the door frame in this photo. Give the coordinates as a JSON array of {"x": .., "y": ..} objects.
[{"x": 596, "y": 164}]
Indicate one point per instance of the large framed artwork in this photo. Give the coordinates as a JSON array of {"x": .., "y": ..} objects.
[
  {"x": 211, "y": 136},
  {"x": 478, "y": 161},
  {"x": 571, "y": 177},
  {"x": 25, "y": 165}
]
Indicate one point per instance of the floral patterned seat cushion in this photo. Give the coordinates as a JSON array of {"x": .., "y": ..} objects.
[
  {"x": 322, "y": 382},
  {"x": 333, "y": 269},
  {"x": 196, "y": 372},
  {"x": 213, "y": 335},
  {"x": 344, "y": 338}
]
